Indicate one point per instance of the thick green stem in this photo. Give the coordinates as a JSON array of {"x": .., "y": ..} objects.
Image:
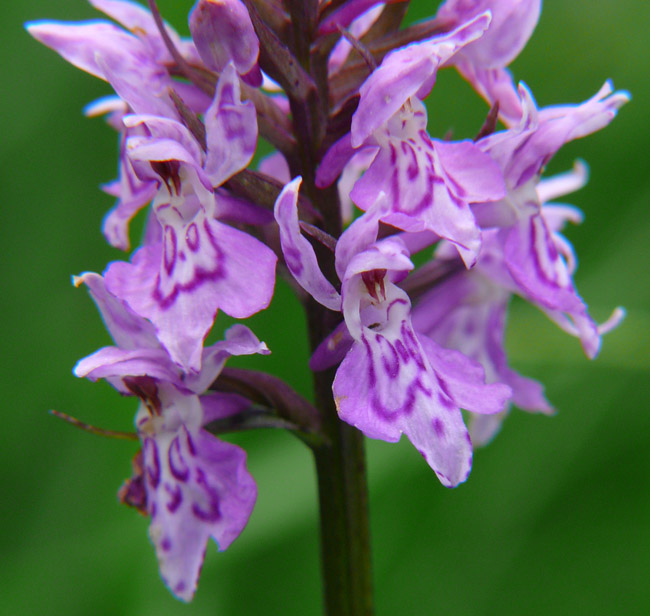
[
  {"x": 345, "y": 544},
  {"x": 343, "y": 500},
  {"x": 339, "y": 458}
]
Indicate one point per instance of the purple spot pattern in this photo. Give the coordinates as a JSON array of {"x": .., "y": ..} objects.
[
  {"x": 175, "y": 497},
  {"x": 151, "y": 461},
  {"x": 205, "y": 261},
  {"x": 402, "y": 393},
  {"x": 206, "y": 508},
  {"x": 397, "y": 372},
  {"x": 177, "y": 465},
  {"x": 182, "y": 484}
]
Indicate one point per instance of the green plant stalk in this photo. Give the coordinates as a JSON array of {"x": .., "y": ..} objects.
[{"x": 343, "y": 501}]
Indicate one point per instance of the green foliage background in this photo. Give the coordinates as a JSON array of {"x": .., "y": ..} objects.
[{"x": 555, "y": 516}]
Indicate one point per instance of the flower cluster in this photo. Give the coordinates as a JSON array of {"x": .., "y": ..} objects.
[{"x": 356, "y": 187}]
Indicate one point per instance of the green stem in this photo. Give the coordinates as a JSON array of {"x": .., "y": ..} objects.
[
  {"x": 343, "y": 500},
  {"x": 339, "y": 458}
]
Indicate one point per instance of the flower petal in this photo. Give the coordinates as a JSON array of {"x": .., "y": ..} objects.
[
  {"x": 407, "y": 72},
  {"x": 223, "y": 32},
  {"x": 231, "y": 130},
  {"x": 386, "y": 386},
  {"x": 513, "y": 22},
  {"x": 298, "y": 252},
  {"x": 202, "y": 490},
  {"x": 181, "y": 284},
  {"x": 81, "y": 43},
  {"x": 112, "y": 363}
]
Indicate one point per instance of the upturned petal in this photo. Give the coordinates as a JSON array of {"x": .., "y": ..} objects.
[
  {"x": 298, "y": 252},
  {"x": 129, "y": 330},
  {"x": 200, "y": 267},
  {"x": 404, "y": 73},
  {"x": 112, "y": 364},
  {"x": 81, "y": 43},
  {"x": 239, "y": 340},
  {"x": 127, "y": 74},
  {"x": 197, "y": 487},
  {"x": 231, "y": 130},
  {"x": 513, "y": 22},
  {"x": 140, "y": 22},
  {"x": 523, "y": 151},
  {"x": 223, "y": 32},
  {"x": 161, "y": 135},
  {"x": 386, "y": 386}
]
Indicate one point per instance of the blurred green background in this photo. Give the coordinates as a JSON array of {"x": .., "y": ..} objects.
[{"x": 555, "y": 518}]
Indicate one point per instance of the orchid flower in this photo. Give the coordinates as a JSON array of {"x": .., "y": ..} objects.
[
  {"x": 391, "y": 381},
  {"x": 191, "y": 484},
  {"x": 197, "y": 265}
]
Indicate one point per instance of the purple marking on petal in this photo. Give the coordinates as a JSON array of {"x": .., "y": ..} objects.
[
  {"x": 394, "y": 185},
  {"x": 177, "y": 465},
  {"x": 201, "y": 275},
  {"x": 190, "y": 445},
  {"x": 175, "y": 497},
  {"x": 389, "y": 357},
  {"x": 439, "y": 427},
  {"x": 213, "y": 512},
  {"x": 446, "y": 401},
  {"x": 372, "y": 377},
  {"x": 422, "y": 133},
  {"x": 393, "y": 371},
  {"x": 427, "y": 196},
  {"x": 192, "y": 237},
  {"x": 542, "y": 242},
  {"x": 395, "y": 302},
  {"x": 410, "y": 341},
  {"x": 413, "y": 170},
  {"x": 169, "y": 249},
  {"x": 166, "y": 544},
  {"x": 179, "y": 588},
  {"x": 402, "y": 350},
  {"x": 293, "y": 258},
  {"x": 151, "y": 461}
]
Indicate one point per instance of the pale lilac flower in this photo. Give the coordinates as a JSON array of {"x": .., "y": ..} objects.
[
  {"x": 119, "y": 57},
  {"x": 429, "y": 184},
  {"x": 467, "y": 312},
  {"x": 483, "y": 62},
  {"x": 127, "y": 59},
  {"x": 140, "y": 22},
  {"x": 132, "y": 192},
  {"x": 391, "y": 381},
  {"x": 197, "y": 264},
  {"x": 192, "y": 485},
  {"x": 223, "y": 32},
  {"x": 536, "y": 258}
]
